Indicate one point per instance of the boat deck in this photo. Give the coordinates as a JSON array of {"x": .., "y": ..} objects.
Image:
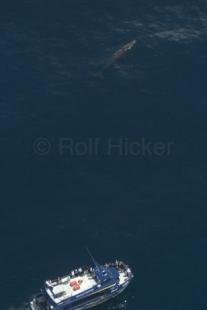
[{"x": 63, "y": 290}]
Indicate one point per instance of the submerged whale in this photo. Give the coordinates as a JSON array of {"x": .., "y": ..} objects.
[{"x": 119, "y": 54}]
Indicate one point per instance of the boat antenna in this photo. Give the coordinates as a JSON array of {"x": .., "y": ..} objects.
[{"x": 91, "y": 256}]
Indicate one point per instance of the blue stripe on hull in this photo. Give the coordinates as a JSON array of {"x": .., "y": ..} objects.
[{"x": 97, "y": 301}]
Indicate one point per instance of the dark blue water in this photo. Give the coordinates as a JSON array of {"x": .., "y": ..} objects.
[{"x": 143, "y": 201}]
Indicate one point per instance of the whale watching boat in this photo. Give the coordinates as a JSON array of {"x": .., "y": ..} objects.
[{"x": 83, "y": 288}]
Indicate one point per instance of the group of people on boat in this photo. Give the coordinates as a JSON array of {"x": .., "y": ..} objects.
[
  {"x": 121, "y": 266},
  {"x": 90, "y": 270},
  {"x": 77, "y": 272},
  {"x": 117, "y": 264}
]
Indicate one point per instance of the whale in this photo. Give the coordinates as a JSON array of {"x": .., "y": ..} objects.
[{"x": 118, "y": 55}]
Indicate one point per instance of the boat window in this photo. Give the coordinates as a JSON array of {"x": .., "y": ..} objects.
[{"x": 58, "y": 295}]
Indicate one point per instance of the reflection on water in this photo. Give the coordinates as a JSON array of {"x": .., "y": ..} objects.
[
  {"x": 121, "y": 305},
  {"x": 119, "y": 302}
]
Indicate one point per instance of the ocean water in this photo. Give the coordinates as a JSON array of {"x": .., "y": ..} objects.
[{"x": 117, "y": 164}]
